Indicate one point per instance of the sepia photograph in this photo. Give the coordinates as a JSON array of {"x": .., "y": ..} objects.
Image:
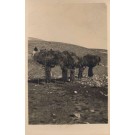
[
  {"x": 67, "y": 63},
  {"x": 65, "y": 78}
]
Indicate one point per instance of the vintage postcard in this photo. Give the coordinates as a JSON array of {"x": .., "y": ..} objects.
[{"x": 67, "y": 67}]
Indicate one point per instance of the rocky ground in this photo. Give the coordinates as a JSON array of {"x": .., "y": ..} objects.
[
  {"x": 67, "y": 103},
  {"x": 84, "y": 102}
]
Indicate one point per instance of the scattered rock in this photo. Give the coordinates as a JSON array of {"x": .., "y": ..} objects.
[
  {"x": 95, "y": 81},
  {"x": 49, "y": 92},
  {"x": 53, "y": 115},
  {"x": 101, "y": 93},
  {"x": 77, "y": 115},
  {"x": 92, "y": 110},
  {"x": 75, "y": 92}
]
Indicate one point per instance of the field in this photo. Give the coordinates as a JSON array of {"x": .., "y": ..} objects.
[{"x": 84, "y": 101}]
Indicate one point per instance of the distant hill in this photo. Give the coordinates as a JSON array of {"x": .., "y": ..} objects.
[{"x": 36, "y": 70}]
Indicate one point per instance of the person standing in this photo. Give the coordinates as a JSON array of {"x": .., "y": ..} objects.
[{"x": 34, "y": 51}]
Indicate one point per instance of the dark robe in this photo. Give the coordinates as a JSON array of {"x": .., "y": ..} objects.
[
  {"x": 72, "y": 75},
  {"x": 90, "y": 71},
  {"x": 48, "y": 74},
  {"x": 64, "y": 74}
]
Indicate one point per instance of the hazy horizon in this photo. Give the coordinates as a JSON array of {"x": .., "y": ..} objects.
[{"x": 82, "y": 24}]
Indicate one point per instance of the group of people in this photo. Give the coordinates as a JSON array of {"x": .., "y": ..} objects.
[{"x": 87, "y": 61}]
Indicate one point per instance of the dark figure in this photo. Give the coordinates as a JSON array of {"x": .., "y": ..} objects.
[
  {"x": 90, "y": 71},
  {"x": 80, "y": 74},
  {"x": 52, "y": 52},
  {"x": 91, "y": 61},
  {"x": 64, "y": 74},
  {"x": 72, "y": 74},
  {"x": 35, "y": 49},
  {"x": 48, "y": 74}
]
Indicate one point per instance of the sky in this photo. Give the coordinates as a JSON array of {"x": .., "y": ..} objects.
[{"x": 83, "y": 24}]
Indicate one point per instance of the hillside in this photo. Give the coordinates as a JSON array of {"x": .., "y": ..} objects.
[{"x": 35, "y": 70}]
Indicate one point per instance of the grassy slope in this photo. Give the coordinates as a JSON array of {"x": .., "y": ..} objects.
[{"x": 36, "y": 71}]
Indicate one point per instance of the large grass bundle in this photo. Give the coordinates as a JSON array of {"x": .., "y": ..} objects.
[
  {"x": 66, "y": 60},
  {"x": 78, "y": 50}
]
